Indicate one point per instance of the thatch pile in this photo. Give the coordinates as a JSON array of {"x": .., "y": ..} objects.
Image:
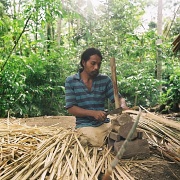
[
  {"x": 50, "y": 153},
  {"x": 162, "y": 134},
  {"x": 56, "y": 153}
]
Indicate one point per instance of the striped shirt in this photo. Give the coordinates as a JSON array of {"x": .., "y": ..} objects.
[{"x": 77, "y": 94}]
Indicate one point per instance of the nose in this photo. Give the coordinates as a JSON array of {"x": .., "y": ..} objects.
[{"x": 96, "y": 67}]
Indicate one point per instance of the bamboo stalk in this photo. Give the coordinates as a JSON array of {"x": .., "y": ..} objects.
[
  {"x": 9, "y": 173},
  {"x": 27, "y": 173},
  {"x": 71, "y": 168},
  {"x": 47, "y": 160},
  {"x": 75, "y": 160},
  {"x": 99, "y": 164},
  {"x": 82, "y": 164},
  {"x": 85, "y": 155},
  {"x": 59, "y": 170},
  {"x": 124, "y": 174},
  {"x": 61, "y": 155}
]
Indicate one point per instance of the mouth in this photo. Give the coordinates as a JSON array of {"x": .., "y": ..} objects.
[{"x": 94, "y": 73}]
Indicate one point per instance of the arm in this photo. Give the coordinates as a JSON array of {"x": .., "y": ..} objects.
[
  {"x": 74, "y": 109},
  {"x": 80, "y": 112},
  {"x": 123, "y": 103}
]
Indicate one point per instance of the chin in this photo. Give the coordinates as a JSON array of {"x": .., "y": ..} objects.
[{"x": 94, "y": 75}]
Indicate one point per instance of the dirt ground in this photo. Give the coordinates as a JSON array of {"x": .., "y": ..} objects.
[{"x": 156, "y": 167}]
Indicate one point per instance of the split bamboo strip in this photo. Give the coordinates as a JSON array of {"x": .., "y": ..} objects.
[
  {"x": 170, "y": 123},
  {"x": 68, "y": 172},
  {"x": 80, "y": 172},
  {"x": 163, "y": 132},
  {"x": 27, "y": 171},
  {"x": 59, "y": 169},
  {"x": 75, "y": 160},
  {"x": 61, "y": 156},
  {"x": 100, "y": 169},
  {"x": 54, "y": 166},
  {"x": 99, "y": 164},
  {"x": 104, "y": 168},
  {"x": 48, "y": 159},
  {"x": 9, "y": 174},
  {"x": 172, "y": 152},
  {"x": 93, "y": 159},
  {"x": 41, "y": 153},
  {"x": 109, "y": 163},
  {"x": 118, "y": 176},
  {"x": 51, "y": 142},
  {"x": 71, "y": 168},
  {"x": 122, "y": 169},
  {"x": 123, "y": 173},
  {"x": 16, "y": 162},
  {"x": 174, "y": 146},
  {"x": 167, "y": 155},
  {"x": 64, "y": 170},
  {"x": 162, "y": 129},
  {"x": 85, "y": 155},
  {"x": 82, "y": 164}
]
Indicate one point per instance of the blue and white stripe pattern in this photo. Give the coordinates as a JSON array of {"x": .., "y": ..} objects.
[{"x": 77, "y": 94}]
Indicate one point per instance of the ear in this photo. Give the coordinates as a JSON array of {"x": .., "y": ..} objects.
[{"x": 83, "y": 62}]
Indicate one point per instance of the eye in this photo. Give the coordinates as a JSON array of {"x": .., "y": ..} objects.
[
  {"x": 94, "y": 63},
  {"x": 99, "y": 65}
]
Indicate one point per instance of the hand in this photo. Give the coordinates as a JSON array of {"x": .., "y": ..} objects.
[
  {"x": 123, "y": 104},
  {"x": 99, "y": 115}
]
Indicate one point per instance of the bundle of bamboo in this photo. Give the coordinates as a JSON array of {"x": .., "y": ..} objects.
[{"x": 162, "y": 134}]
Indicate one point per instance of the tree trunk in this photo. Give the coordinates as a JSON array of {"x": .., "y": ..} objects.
[
  {"x": 59, "y": 23},
  {"x": 59, "y": 31},
  {"x": 159, "y": 42},
  {"x": 48, "y": 37}
]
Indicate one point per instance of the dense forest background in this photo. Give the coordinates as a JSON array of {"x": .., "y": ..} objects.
[{"x": 41, "y": 42}]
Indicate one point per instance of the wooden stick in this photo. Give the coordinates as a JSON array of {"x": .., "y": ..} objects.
[
  {"x": 114, "y": 80},
  {"x": 122, "y": 149}
]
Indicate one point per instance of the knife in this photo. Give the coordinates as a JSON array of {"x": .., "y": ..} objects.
[{"x": 115, "y": 111}]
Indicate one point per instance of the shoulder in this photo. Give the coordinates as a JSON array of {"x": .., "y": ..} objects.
[
  {"x": 72, "y": 77},
  {"x": 69, "y": 78},
  {"x": 104, "y": 77}
]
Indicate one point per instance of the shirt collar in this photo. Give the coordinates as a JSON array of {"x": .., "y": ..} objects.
[{"x": 78, "y": 77}]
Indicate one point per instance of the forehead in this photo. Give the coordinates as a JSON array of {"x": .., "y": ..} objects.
[{"x": 95, "y": 58}]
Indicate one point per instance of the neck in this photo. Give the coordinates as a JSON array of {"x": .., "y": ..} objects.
[
  {"x": 87, "y": 80},
  {"x": 85, "y": 76}
]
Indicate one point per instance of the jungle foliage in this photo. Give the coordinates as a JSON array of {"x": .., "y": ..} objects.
[{"x": 41, "y": 43}]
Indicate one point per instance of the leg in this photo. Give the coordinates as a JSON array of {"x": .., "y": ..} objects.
[{"x": 94, "y": 136}]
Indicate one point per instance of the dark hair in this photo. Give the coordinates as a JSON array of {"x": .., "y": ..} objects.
[{"x": 89, "y": 52}]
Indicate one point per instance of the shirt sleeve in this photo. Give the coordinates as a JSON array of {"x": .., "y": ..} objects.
[{"x": 69, "y": 93}]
